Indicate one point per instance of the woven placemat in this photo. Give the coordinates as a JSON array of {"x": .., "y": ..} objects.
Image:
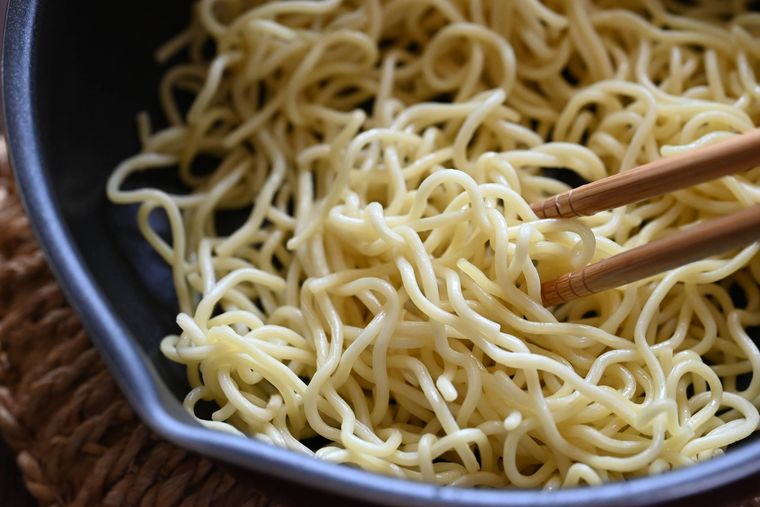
[{"x": 77, "y": 440}]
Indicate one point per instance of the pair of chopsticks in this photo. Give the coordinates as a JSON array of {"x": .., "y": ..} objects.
[{"x": 656, "y": 178}]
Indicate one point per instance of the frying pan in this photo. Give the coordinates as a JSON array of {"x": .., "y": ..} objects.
[{"x": 74, "y": 74}]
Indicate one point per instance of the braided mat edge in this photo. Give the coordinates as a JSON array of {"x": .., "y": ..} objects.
[{"x": 78, "y": 443}]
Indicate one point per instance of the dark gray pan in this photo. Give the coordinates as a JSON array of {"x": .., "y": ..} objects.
[{"x": 74, "y": 75}]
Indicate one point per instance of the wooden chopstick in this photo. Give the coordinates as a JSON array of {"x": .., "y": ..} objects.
[
  {"x": 656, "y": 178},
  {"x": 697, "y": 242}
]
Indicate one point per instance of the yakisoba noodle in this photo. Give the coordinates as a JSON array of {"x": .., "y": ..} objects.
[{"x": 383, "y": 293}]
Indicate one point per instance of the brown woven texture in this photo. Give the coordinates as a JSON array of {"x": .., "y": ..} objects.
[{"x": 77, "y": 440}]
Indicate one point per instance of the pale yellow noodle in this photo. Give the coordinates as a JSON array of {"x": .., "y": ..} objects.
[{"x": 383, "y": 292}]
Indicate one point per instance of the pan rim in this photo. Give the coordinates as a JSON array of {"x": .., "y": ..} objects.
[{"x": 143, "y": 389}]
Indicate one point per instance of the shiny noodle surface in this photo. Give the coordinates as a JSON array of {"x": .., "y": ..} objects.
[{"x": 380, "y": 302}]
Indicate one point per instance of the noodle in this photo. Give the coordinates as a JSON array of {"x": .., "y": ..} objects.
[{"x": 383, "y": 293}]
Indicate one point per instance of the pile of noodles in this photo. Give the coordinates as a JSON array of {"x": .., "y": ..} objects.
[{"x": 381, "y": 301}]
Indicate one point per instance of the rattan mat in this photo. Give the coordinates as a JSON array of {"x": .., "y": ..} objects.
[{"x": 77, "y": 441}]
